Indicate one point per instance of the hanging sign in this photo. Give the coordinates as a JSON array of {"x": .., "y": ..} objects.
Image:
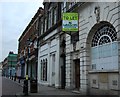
[{"x": 70, "y": 22}]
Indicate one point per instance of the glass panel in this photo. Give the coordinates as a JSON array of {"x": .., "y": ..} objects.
[
  {"x": 114, "y": 49},
  {"x": 94, "y": 53},
  {"x": 106, "y": 30},
  {"x": 45, "y": 25},
  {"x": 105, "y": 54},
  {"x": 100, "y": 51},
  {"x": 55, "y": 15},
  {"x": 41, "y": 70},
  {"x": 104, "y": 50},
  {"x": 46, "y": 70},
  {"x": 107, "y": 50}
]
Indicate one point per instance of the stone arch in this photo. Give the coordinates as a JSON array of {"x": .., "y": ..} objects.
[
  {"x": 93, "y": 30},
  {"x": 90, "y": 36}
]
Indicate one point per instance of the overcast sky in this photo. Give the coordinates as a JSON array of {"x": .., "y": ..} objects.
[{"x": 14, "y": 17}]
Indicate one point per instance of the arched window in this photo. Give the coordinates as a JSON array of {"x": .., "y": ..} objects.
[
  {"x": 45, "y": 69},
  {"x": 104, "y": 50},
  {"x": 104, "y": 34},
  {"x": 41, "y": 70}
]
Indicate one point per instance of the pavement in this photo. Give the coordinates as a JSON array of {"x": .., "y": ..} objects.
[
  {"x": 9, "y": 87},
  {"x": 43, "y": 91},
  {"x": 47, "y": 90}
]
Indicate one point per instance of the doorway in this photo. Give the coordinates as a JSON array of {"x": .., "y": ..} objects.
[
  {"x": 63, "y": 75},
  {"x": 53, "y": 70},
  {"x": 77, "y": 73}
]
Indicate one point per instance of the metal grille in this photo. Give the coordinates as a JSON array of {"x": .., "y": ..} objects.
[{"x": 104, "y": 34}]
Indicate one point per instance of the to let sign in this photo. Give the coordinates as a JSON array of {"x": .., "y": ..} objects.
[{"x": 70, "y": 22}]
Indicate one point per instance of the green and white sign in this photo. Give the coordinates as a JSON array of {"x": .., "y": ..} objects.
[{"x": 70, "y": 22}]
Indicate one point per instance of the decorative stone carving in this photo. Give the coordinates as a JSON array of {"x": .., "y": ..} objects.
[{"x": 97, "y": 13}]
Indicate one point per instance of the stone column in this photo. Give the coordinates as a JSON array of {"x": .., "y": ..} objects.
[
  {"x": 68, "y": 71},
  {"x": 84, "y": 67},
  {"x": 57, "y": 64},
  {"x": 69, "y": 62},
  {"x": 48, "y": 64},
  {"x": 39, "y": 65}
]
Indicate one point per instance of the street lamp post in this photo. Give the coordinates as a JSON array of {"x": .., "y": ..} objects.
[
  {"x": 25, "y": 87},
  {"x": 33, "y": 82}
]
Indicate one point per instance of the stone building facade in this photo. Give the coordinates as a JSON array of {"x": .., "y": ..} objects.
[
  {"x": 49, "y": 66},
  {"x": 86, "y": 60},
  {"x": 92, "y": 61}
]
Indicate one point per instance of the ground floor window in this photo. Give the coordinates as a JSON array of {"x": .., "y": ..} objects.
[{"x": 44, "y": 70}]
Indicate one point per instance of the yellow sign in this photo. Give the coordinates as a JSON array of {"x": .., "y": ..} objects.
[
  {"x": 26, "y": 77},
  {"x": 70, "y": 22}
]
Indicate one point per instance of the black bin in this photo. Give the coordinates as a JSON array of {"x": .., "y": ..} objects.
[{"x": 33, "y": 86}]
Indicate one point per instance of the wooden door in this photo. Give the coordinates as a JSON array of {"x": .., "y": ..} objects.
[{"x": 77, "y": 74}]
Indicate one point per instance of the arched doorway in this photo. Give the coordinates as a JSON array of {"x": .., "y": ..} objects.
[{"x": 102, "y": 41}]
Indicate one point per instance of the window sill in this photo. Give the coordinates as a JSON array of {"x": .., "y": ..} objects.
[{"x": 103, "y": 71}]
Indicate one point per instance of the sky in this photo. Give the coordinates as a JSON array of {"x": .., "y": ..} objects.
[
  {"x": 14, "y": 18},
  {"x": 15, "y": 15}
]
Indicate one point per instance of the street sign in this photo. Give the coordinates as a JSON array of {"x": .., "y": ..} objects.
[{"x": 70, "y": 22}]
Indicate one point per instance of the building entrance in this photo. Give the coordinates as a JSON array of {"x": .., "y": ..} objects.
[{"x": 77, "y": 73}]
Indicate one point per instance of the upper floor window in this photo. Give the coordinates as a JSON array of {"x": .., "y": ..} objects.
[
  {"x": 50, "y": 16},
  {"x": 75, "y": 37},
  {"x": 71, "y": 4},
  {"x": 63, "y": 7},
  {"x": 49, "y": 19},
  {"x": 41, "y": 26},
  {"x": 45, "y": 24},
  {"x": 36, "y": 25},
  {"x": 54, "y": 15}
]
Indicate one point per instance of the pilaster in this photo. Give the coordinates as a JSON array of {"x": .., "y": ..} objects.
[
  {"x": 57, "y": 64},
  {"x": 84, "y": 67},
  {"x": 68, "y": 71},
  {"x": 48, "y": 63}
]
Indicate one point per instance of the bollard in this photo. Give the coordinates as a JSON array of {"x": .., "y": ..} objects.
[
  {"x": 12, "y": 77},
  {"x": 15, "y": 78},
  {"x": 25, "y": 88},
  {"x": 19, "y": 81}
]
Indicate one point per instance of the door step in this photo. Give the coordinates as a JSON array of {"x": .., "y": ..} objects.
[{"x": 76, "y": 91}]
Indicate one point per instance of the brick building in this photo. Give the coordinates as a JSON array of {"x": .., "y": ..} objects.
[{"x": 26, "y": 50}]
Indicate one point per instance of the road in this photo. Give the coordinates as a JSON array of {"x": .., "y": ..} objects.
[{"x": 9, "y": 87}]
